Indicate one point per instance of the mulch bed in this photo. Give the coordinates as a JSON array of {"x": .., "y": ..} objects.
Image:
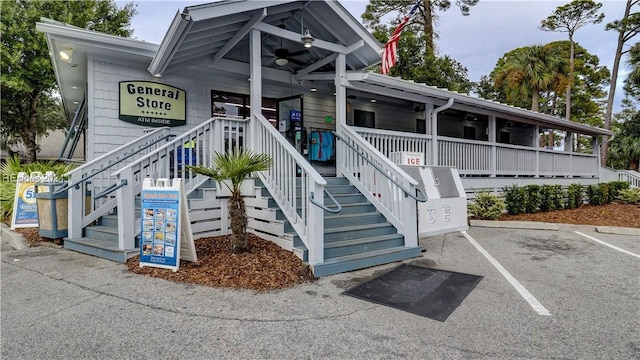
[
  {"x": 266, "y": 266},
  {"x": 621, "y": 215}
]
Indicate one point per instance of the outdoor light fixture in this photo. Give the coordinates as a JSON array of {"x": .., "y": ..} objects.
[
  {"x": 282, "y": 61},
  {"x": 158, "y": 75},
  {"x": 313, "y": 90},
  {"x": 307, "y": 39},
  {"x": 65, "y": 55}
]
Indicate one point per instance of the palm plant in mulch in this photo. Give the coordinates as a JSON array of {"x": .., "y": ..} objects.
[
  {"x": 235, "y": 166},
  {"x": 9, "y": 170}
]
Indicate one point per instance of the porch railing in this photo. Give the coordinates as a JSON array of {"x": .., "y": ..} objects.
[
  {"x": 380, "y": 180},
  {"x": 194, "y": 147},
  {"x": 95, "y": 176},
  {"x": 633, "y": 177},
  {"x": 473, "y": 157},
  {"x": 293, "y": 183}
]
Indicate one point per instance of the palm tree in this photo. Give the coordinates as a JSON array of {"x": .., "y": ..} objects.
[
  {"x": 235, "y": 166},
  {"x": 526, "y": 71},
  {"x": 626, "y": 152}
]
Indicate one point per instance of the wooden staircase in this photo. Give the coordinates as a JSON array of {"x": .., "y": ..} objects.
[
  {"x": 101, "y": 239},
  {"x": 355, "y": 238}
]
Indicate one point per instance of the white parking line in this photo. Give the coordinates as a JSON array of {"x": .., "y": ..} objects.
[
  {"x": 606, "y": 244},
  {"x": 535, "y": 304}
]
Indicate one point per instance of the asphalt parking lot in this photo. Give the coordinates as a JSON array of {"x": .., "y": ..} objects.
[{"x": 545, "y": 295}]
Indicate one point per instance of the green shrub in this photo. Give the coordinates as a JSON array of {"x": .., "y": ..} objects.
[
  {"x": 606, "y": 192},
  {"x": 486, "y": 206},
  {"x": 9, "y": 173},
  {"x": 574, "y": 196},
  {"x": 630, "y": 195},
  {"x": 514, "y": 198},
  {"x": 615, "y": 187},
  {"x": 532, "y": 199},
  {"x": 551, "y": 197},
  {"x": 594, "y": 195}
]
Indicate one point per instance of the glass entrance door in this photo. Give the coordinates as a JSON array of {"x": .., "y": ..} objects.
[{"x": 291, "y": 122}]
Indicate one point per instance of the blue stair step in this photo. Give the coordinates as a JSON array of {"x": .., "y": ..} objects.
[
  {"x": 346, "y": 263},
  {"x": 339, "y": 220},
  {"x": 361, "y": 245},
  {"x": 358, "y": 231},
  {"x": 100, "y": 248},
  {"x": 99, "y": 232}
]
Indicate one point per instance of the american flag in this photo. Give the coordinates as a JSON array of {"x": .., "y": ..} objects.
[{"x": 390, "y": 52}]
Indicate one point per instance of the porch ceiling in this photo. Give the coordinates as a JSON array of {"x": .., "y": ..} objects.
[{"x": 202, "y": 35}]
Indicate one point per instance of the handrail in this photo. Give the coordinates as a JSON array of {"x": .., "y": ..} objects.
[
  {"x": 300, "y": 160},
  {"x": 77, "y": 183},
  {"x": 107, "y": 155},
  {"x": 321, "y": 206},
  {"x": 110, "y": 189},
  {"x": 186, "y": 135},
  {"x": 377, "y": 167}
]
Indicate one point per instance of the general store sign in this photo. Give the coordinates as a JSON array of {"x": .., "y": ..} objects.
[{"x": 148, "y": 103}]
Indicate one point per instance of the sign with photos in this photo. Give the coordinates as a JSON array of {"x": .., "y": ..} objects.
[{"x": 164, "y": 225}]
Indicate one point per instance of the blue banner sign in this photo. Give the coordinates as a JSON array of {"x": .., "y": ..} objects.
[
  {"x": 160, "y": 222},
  {"x": 25, "y": 208}
]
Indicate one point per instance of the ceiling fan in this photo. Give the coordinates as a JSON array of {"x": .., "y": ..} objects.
[{"x": 284, "y": 56}]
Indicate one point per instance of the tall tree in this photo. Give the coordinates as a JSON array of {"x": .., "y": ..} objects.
[
  {"x": 520, "y": 71},
  {"x": 525, "y": 72},
  {"x": 569, "y": 18},
  {"x": 632, "y": 83},
  {"x": 417, "y": 59},
  {"x": 28, "y": 82},
  {"x": 422, "y": 23},
  {"x": 443, "y": 72},
  {"x": 627, "y": 28}
]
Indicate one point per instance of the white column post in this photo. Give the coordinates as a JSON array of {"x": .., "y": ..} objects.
[
  {"x": 492, "y": 140},
  {"x": 568, "y": 141},
  {"x": 76, "y": 205},
  {"x": 341, "y": 105},
  {"x": 315, "y": 226},
  {"x": 434, "y": 131},
  {"x": 126, "y": 211},
  {"x": 536, "y": 145},
  {"x": 255, "y": 62}
]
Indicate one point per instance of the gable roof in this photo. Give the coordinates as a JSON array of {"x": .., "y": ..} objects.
[{"x": 204, "y": 34}]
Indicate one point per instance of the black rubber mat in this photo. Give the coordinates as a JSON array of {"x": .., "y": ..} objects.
[{"x": 431, "y": 293}]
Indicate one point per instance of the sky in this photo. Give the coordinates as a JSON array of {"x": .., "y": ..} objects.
[{"x": 477, "y": 41}]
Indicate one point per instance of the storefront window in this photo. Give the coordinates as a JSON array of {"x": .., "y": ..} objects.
[{"x": 231, "y": 104}]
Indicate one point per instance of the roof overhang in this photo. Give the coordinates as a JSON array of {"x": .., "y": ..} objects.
[
  {"x": 202, "y": 35},
  {"x": 383, "y": 84},
  {"x": 71, "y": 75}
]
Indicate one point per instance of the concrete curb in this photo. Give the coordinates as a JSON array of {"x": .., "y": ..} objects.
[
  {"x": 618, "y": 230},
  {"x": 15, "y": 240},
  {"x": 532, "y": 225},
  {"x": 515, "y": 224}
]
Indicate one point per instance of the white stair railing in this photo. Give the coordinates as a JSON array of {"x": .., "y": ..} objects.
[
  {"x": 630, "y": 176},
  {"x": 293, "y": 183},
  {"x": 381, "y": 181},
  {"x": 95, "y": 176},
  {"x": 194, "y": 147}
]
